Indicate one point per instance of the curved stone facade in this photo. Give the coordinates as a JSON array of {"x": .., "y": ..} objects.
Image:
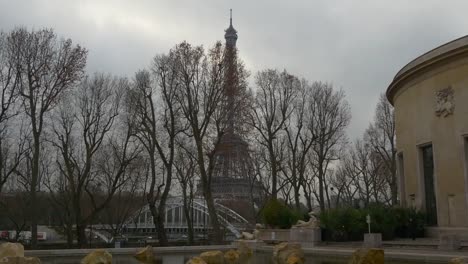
[{"x": 430, "y": 96}]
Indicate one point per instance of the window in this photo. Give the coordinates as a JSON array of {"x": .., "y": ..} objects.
[{"x": 428, "y": 183}]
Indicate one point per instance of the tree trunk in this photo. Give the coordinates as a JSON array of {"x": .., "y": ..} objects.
[
  {"x": 33, "y": 193},
  {"x": 321, "y": 187},
  {"x": 188, "y": 217},
  {"x": 218, "y": 236},
  {"x": 297, "y": 197},
  {"x": 162, "y": 207},
  {"x": 81, "y": 235},
  {"x": 69, "y": 232},
  {"x": 158, "y": 220},
  {"x": 274, "y": 182}
]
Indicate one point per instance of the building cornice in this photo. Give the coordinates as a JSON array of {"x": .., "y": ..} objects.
[{"x": 433, "y": 58}]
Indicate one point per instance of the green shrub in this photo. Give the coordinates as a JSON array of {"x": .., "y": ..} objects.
[
  {"x": 342, "y": 224},
  {"x": 277, "y": 215},
  {"x": 349, "y": 224},
  {"x": 383, "y": 220}
]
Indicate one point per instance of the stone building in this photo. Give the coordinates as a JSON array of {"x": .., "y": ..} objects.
[{"x": 430, "y": 96}]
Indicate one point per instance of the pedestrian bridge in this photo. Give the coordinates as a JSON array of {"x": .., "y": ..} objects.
[{"x": 176, "y": 221}]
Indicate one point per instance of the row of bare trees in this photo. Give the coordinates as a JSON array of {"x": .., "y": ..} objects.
[{"x": 101, "y": 146}]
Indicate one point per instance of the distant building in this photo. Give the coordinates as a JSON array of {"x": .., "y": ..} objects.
[
  {"x": 233, "y": 184},
  {"x": 430, "y": 96}
]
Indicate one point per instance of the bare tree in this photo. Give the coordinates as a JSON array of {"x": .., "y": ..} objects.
[
  {"x": 127, "y": 200},
  {"x": 185, "y": 164},
  {"x": 381, "y": 135},
  {"x": 272, "y": 108},
  {"x": 157, "y": 124},
  {"x": 329, "y": 115},
  {"x": 46, "y": 67},
  {"x": 299, "y": 142},
  {"x": 343, "y": 181},
  {"x": 9, "y": 81},
  {"x": 92, "y": 160},
  {"x": 200, "y": 94}
]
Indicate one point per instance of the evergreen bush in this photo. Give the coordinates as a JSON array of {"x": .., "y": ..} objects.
[
  {"x": 349, "y": 224},
  {"x": 277, "y": 215}
]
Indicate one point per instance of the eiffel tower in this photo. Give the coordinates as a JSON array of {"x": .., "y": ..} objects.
[{"x": 232, "y": 183}]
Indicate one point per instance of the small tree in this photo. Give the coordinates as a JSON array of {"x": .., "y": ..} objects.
[
  {"x": 382, "y": 137},
  {"x": 329, "y": 115},
  {"x": 200, "y": 94},
  {"x": 273, "y": 106}
]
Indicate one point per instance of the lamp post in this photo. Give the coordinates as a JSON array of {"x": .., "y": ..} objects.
[{"x": 368, "y": 221}]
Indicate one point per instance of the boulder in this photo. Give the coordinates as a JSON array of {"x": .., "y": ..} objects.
[
  {"x": 20, "y": 260},
  {"x": 196, "y": 260},
  {"x": 367, "y": 256},
  {"x": 231, "y": 257},
  {"x": 11, "y": 250},
  {"x": 213, "y": 257},
  {"x": 288, "y": 253},
  {"x": 146, "y": 255},
  {"x": 98, "y": 256},
  {"x": 459, "y": 260}
]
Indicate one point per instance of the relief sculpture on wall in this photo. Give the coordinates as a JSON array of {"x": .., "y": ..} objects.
[{"x": 445, "y": 102}]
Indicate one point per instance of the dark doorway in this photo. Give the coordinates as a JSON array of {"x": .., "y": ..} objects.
[{"x": 429, "y": 188}]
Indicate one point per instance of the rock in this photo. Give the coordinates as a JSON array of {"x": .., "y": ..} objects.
[
  {"x": 146, "y": 255},
  {"x": 247, "y": 236},
  {"x": 231, "y": 257},
  {"x": 20, "y": 260},
  {"x": 213, "y": 257},
  {"x": 98, "y": 256},
  {"x": 245, "y": 252},
  {"x": 11, "y": 250},
  {"x": 295, "y": 259},
  {"x": 367, "y": 256},
  {"x": 288, "y": 253},
  {"x": 196, "y": 260},
  {"x": 459, "y": 260}
]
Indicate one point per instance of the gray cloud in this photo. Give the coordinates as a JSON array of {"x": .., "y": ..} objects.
[{"x": 356, "y": 45}]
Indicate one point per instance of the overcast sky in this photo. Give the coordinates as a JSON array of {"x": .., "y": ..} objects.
[{"x": 356, "y": 45}]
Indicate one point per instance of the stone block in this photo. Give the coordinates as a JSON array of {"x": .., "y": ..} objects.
[
  {"x": 231, "y": 257},
  {"x": 449, "y": 242},
  {"x": 196, "y": 260},
  {"x": 373, "y": 240},
  {"x": 459, "y": 260},
  {"x": 11, "y": 250},
  {"x": 307, "y": 237},
  {"x": 367, "y": 256},
  {"x": 98, "y": 256},
  {"x": 146, "y": 255},
  {"x": 288, "y": 253},
  {"x": 213, "y": 257},
  {"x": 273, "y": 235}
]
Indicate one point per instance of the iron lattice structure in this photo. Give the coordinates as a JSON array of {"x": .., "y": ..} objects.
[{"x": 232, "y": 182}]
